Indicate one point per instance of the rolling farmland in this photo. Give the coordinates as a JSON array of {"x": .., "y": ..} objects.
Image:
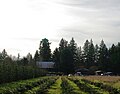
[{"x": 64, "y": 85}]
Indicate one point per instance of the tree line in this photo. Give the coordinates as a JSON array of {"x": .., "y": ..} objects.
[
  {"x": 18, "y": 69},
  {"x": 69, "y": 57}
]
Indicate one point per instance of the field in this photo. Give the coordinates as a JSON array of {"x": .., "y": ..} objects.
[{"x": 64, "y": 85}]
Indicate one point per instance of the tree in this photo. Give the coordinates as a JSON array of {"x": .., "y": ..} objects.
[
  {"x": 114, "y": 54},
  {"x": 4, "y": 54},
  {"x": 62, "y": 44},
  {"x": 29, "y": 58},
  {"x": 103, "y": 56},
  {"x": 24, "y": 61},
  {"x": 36, "y": 56},
  {"x": 85, "y": 53},
  {"x": 66, "y": 61},
  {"x": 96, "y": 54},
  {"x": 73, "y": 47},
  {"x": 91, "y": 54},
  {"x": 18, "y": 57},
  {"x": 80, "y": 57},
  {"x": 45, "y": 51},
  {"x": 56, "y": 59}
]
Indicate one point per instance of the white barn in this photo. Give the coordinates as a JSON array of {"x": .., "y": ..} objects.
[{"x": 45, "y": 65}]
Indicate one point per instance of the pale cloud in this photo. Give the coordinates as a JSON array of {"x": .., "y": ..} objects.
[
  {"x": 24, "y": 23},
  {"x": 94, "y": 19}
]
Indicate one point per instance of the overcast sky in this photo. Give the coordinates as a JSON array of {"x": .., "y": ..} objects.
[{"x": 23, "y": 23}]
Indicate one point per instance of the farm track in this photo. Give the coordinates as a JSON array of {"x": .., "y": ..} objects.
[{"x": 58, "y": 85}]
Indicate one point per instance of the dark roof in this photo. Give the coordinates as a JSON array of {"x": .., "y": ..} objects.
[{"x": 45, "y": 64}]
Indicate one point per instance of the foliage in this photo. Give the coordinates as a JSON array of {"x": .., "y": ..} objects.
[
  {"x": 19, "y": 69},
  {"x": 63, "y": 85},
  {"x": 14, "y": 72},
  {"x": 99, "y": 57},
  {"x": 27, "y": 86},
  {"x": 45, "y": 51},
  {"x": 56, "y": 87}
]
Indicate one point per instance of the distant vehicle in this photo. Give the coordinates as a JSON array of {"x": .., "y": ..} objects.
[
  {"x": 99, "y": 72},
  {"x": 108, "y": 73},
  {"x": 70, "y": 75},
  {"x": 78, "y": 74}
]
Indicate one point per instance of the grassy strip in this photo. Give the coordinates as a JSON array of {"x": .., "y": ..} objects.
[
  {"x": 66, "y": 88},
  {"x": 42, "y": 88},
  {"x": 117, "y": 85},
  {"x": 86, "y": 87},
  {"x": 21, "y": 86},
  {"x": 76, "y": 89},
  {"x": 55, "y": 88},
  {"x": 69, "y": 87},
  {"x": 110, "y": 89}
]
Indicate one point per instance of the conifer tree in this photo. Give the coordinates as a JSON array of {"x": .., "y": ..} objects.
[
  {"x": 85, "y": 53},
  {"x": 103, "y": 56},
  {"x": 45, "y": 51},
  {"x": 56, "y": 59},
  {"x": 91, "y": 54}
]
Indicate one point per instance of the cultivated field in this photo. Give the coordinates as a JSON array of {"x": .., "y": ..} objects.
[{"x": 64, "y": 85}]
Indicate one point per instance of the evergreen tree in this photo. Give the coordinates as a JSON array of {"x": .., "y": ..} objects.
[
  {"x": 66, "y": 57},
  {"x": 80, "y": 57},
  {"x": 45, "y": 51},
  {"x": 73, "y": 47},
  {"x": 56, "y": 59},
  {"x": 29, "y": 57},
  {"x": 18, "y": 57},
  {"x": 96, "y": 54},
  {"x": 91, "y": 54},
  {"x": 85, "y": 53},
  {"x": 62, "y": 44},
  {"x": 4, "y": 54},
  {"x": 103, "y": 56},
  {"x": 36, "y": 56},
  {"x": 114, "y": 53},
  {"x": 66, "y": 61}
]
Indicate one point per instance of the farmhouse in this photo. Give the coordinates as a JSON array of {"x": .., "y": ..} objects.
[{"x": 45, "y": 65}]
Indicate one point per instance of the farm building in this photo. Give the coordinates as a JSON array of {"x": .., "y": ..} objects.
[
  {"x": 45, "y": 65},
  {"x": 83, "y": 71}
]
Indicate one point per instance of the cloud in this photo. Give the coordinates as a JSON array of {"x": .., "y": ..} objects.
[
  {"x": 24, "y": 23},
  {"x": 93, "y": 19}
]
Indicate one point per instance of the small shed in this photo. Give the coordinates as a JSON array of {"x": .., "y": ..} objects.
[
  {"x": 45, "y": 65},
  {"x": 99, "y": 72}
]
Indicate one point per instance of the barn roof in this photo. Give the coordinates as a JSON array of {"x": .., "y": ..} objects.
[{"x": 45, "y": 64}]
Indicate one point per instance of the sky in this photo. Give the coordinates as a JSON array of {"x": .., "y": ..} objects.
[{"x": 23, "y": 23}]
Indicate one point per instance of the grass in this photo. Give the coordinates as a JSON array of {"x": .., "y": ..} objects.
[
  {"x": 84, "y": 84},
  {"x": 116, "y": 85},
  {"x": 105, "y": 79},
  {"x": 76, "y": 89},
  {"x": 55, "y": 88}
]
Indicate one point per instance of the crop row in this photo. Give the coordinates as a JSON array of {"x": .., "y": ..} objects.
[
  {"x": 58, "y": 85},
  {"x": 104, "y": 86},
  {"x": 69, "y": 87},
  {"x": 66, "y": 87},
  {"x": 41, "y": 88},
  {"x": 25, "y": 86},
  {"x": 87, "y": 87}
]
